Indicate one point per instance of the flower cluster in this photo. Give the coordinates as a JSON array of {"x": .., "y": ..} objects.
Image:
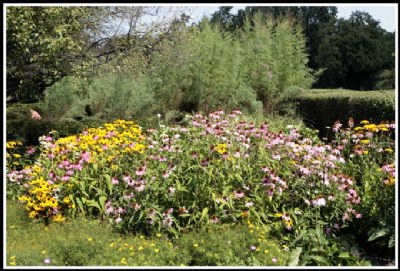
[
  {"x": 52, "y": 182},
  {"x": 41, "y": 201}
]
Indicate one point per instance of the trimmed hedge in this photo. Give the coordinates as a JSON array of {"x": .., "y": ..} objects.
[{"x": 320, "y": 108}]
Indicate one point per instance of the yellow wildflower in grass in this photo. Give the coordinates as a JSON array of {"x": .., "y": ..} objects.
[
  {"x": 123, "y": 261},
  {"x": 90, "y": 239},
  {"x": 58, "y": 218},
  {"x": 156, "y": 250},
  {"x": 195, "y": 245},
  {"x": 365, "y": 141},
  {"x": 13, "y": 261},
  {"x": 159, "y": 235},
  {"x": 389, "y": 150},
  {"x": 140, "y": 248},
  {"x": 16, "y": 155},
  {"x": 364, "y": 122},
  {"x": 365, "y": 152}
]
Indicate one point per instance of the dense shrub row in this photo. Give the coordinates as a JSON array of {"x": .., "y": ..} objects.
[{"x": 320, "y": 108}]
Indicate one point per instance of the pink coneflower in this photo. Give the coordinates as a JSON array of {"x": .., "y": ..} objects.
[
  {"x": 238, "y": 193},
  {"x": 121, "y": 210},
  {"x": 141, "y": 171},
  {"x": 127, "y": 178},
  {"x": 167, "y": 222},
  {"x": 139, "y": 185},
  {"x": 319, "y": 202},
  {"x": 171, "y": 190},
  {"x": 152, "y": 213},
  {"x": 65, "y": 178},
  {"x": 86, "y": 156},
  {"x": 214, "y": 219},
  {"x": 109, "y": 210},
  {"x": 31, "y": 151},
  {"x": 135, "y": 206},
  {"x": 128, "y": 196},
  {"x": 168, "y": 212},
  {"x": 183, "y": 210},
  {"x": 114, "y": 181},
  {"x": 165, "y": 175}
]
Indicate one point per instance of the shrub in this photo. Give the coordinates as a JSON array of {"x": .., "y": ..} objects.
[{"x": 321, "y": 108}]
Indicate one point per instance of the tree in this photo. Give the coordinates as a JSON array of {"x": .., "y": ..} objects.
[
  {"x": 364, "y": 50},
  {"x": 45, "y": 44}
]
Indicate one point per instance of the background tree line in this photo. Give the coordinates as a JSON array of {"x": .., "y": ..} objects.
[
  {"x": 46, "y": 44},
  {"x": 354, "y": 53}
]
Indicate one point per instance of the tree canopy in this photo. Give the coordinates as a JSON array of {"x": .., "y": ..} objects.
[{"x": 353, "y": 53}]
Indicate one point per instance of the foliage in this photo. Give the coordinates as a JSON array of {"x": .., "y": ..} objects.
[
  {"x": 206, "y": 73},
  {"x": 86, "y": 242},
  {"x": 275, "y": 60},
  {"x": 386, "y": 80},
  {"x": 240, "y": 245},
  {"x": 371, "y": 160},
  {"x": 40, "y": 44},
  {"x": 351, "y": 52},
  {"x": 44, "y": 44},
  {"x": 321, "y": 107},
  {"x": 354, "y": 51},
  {"x": 20, "y": 126},
  {"x": 177, "y": 179}
]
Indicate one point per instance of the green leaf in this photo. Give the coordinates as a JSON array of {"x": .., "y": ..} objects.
[
  {"x": 79, "y": 202},
  {"x": 204, "y": 214},
  {"x": 294, "y": 256},
  {"x": 378, "y": 233},
  {"x": 344, "y": 255},
  {"x": 93, "y": 203},
  {"x": 320, "y": 260},
  {"x": 102, "y": 201}
]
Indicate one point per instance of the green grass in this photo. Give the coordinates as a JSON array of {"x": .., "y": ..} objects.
[{"x": 87, "y": 242}]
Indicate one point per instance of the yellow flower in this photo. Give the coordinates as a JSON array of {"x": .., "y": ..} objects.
[
  {"x": 159, "y": 235},
  {"x": 156, "y": 250},
  {"x": 58, "y": 218},
  {"x": 364, "y": 122},
  {"x": 140, "y": 248},
  {"x": 389, "y": 150},
  {"x": 195, "y": 245},
  {"x": 90, "y": 239},
  {"x": 365, "y": 152}
]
